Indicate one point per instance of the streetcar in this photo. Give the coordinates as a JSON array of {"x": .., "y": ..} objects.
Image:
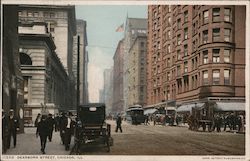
[{"x": 134, "y": 115}]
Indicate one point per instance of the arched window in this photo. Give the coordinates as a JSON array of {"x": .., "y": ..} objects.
[{"x": 25, "y": 59}]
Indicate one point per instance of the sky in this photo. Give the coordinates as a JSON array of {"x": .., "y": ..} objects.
[{"x": 102, "y": 22}]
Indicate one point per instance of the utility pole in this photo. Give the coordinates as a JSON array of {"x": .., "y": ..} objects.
[{"x": 78, "y": 75}]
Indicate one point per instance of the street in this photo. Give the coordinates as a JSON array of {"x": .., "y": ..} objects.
[{"x": 143, "y": 140}]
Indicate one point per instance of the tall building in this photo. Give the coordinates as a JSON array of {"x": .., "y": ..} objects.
[
  {"x": 61, "y": 24},
  {"x": 118, "y": 101},
  {"x": 43, "y": 73},
  {"x": 81, "y": 26},
  {"x": 108, "y": 88},
  {"x": 11, "y": 79},
  {"x": 133, "y": 27},
  {"x": 137, "y": 68},
  {"x": 195, "y": 52}
]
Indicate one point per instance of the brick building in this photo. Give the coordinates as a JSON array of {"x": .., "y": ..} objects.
[{"x": 195, "y": 52}]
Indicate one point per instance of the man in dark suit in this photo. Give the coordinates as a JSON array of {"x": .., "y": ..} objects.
[
  {"x": 13, "y": 127},
  {"x": 62, "y": 122},
  {"x": 118, "y": 123},
  {"x": 43, "y": 131},
  {"x": 68, "y": 130},
  {"x": 51, "y": 123}
]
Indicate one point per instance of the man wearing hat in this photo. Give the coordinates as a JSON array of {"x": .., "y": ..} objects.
[
  {"x": 68, "y": 130},
  {"x": 13, "y": 123},
  {"x": 43, "y": 132},
  {"x": 51, "y": 123}
]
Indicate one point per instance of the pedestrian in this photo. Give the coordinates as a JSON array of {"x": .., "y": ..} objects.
[
  {"x": 118, "y": 123},
  {"x": 38, "y": 119},
  {"x": 4, "y": 131},
  {"x": 43, "y": 132},
  {"x": 13, "y": 127},
  {"x": 62, "y": 121},
  {"x": 68, "y": 129},
  {"x": 57, "y": 120},
  {"x": 51, "y": 123}
]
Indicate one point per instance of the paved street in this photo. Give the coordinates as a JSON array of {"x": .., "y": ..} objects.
[{"x": 146, "y": 140}]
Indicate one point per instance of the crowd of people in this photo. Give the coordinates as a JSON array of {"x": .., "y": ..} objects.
[
  {"x": 45, "y": 125},
  {"x": 63, "y": 123},
  {"x": 228, "y": 120}
]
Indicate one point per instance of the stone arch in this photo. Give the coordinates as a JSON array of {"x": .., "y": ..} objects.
[{"x": 25, "y": 59}]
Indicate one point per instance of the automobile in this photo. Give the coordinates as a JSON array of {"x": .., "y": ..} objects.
[{"x": 91, "y": 128}]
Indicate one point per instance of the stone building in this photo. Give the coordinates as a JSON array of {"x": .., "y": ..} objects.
[
  {"x": 118, "y": 101},
  {"x": 108, "y": 88},
  {"x": 133, "y": 27},
  {"x": 11, "y": 80},
  {"x": 81, "y": 26},
  {"x": 61, "y": 24},
  {"x": 43, "y": 73},
  {"x": 137, "y": 67},
  {"x": 197, "y": 51}
]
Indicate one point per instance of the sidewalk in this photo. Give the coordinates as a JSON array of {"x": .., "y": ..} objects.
[{"x": 28, "y": 144}]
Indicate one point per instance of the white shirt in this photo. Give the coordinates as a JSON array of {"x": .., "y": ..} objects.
[{"x": 69, "y": 121}]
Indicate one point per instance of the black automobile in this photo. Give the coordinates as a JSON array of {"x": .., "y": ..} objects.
[{"x": 91, "y": 127}]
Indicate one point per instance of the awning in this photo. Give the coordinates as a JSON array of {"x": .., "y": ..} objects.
[
  {"x": 188, "y": 107},
  {"x": 230, "y": 106},
  {"x": 149, "y": 111}
]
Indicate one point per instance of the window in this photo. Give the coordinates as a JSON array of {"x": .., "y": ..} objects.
[
  {"x": 159, "y": 45},
  {"x": 216, "y": 55},
  {"x": 20, "y": 13},
  {"x": 51, "y": 27},
  {"x": 227, "y": 14},
  {"x": 178, "y": 54},
  {"x": 178, "y": 70},
  {"x": 226, "y": 76},
  {"x": 227, "y": 33},
  {"x": 216, "y": 35},
  {"x": 169, "y": 48},
  {"x": 168, "y": 76},
  {"x": 46, "y": 14},
  {"x": 205, "y": 17},
  {"x": 169, "y": 21},
  {"x": 36, "y": 14},
  {"x": 205, "y": 77},
  {"x": 168, "y": 62},
  {"x": 179, "y": 23},
  {"x": 226, "y": 55},
  {"x": 216, "y": 77},
  {"x": 30, "y": 14},
  {"x": 25, "y": 59},
  {"x": 186, "y": 16},
  {"x": 186, "y": 50},
  {"x": 179, "y": 39},
  {"x": 216, "y": 14},
  {"x": 142, "y": 44},
  {"x": 205, "y": 36},
  {"x": 155, "y": 14},
  {"x": 52, "y": 14},
  {"x": 185, "y": 33},
  {"x": 168, "y": 35},
  {"x": 205, "y": 57},
  {"x": 185, "y": 67}
]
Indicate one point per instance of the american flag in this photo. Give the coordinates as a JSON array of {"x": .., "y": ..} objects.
[{"x": 120, "y": 28}]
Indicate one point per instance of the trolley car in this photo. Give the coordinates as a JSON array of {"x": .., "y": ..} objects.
[{"x": 134, "y": 115}]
